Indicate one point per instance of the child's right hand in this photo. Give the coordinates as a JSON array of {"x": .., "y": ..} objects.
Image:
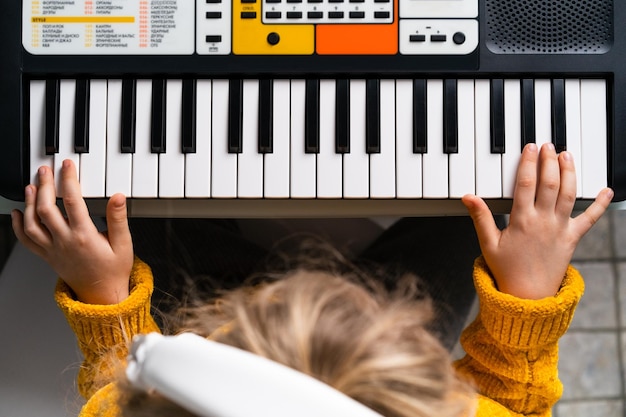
[
  {"x": 529, "y": 258},
  {"x": 96, "y": 266}
]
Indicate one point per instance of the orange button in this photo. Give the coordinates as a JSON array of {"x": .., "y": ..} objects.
[{"x": 363, "y": 39}]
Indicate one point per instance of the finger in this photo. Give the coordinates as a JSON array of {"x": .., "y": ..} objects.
[
  {"x": 567, "y": 189},
  {"x": 585, "y": 221},
  {"x": 46, "y": 207},
  {"x": 526, "y": 181},
  {"x": 17, "y": 222},
  {"x": 484, "y": 223},
  {"x": 75, "y": 206},
  {"x": 117, "y": 224},
  {"x": 549, "y": 181},
  {"x": 30, "y": 223}
]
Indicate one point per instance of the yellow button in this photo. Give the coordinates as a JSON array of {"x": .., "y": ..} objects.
[{"x": 252, "y": 37}]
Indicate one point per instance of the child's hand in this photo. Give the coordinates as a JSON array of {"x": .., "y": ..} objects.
[
  {"x": 96, "y": 266},
  {"x": 529, "y": 258}
]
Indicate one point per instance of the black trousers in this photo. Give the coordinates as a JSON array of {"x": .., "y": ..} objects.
[{"x": 211, "y": 254}]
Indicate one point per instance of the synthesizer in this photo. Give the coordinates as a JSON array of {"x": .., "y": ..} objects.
[{"x": 309, "y": 107}]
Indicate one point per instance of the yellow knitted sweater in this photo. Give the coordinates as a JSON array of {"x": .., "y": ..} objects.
[{"x": 512, "y": 350}]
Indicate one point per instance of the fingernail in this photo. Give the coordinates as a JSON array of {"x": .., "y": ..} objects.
[
  {"x": 119, "y": 202},
  {"x": 41, "y": 171},
  {"x": 567, "y": 156},
  {"x": 66, "y": 163},
  {"x": 28, "y": 190},
  {"x": 610, "y": 193},
  {"x": 532, "y": 147},
  {"x": 549, "y": 146}
]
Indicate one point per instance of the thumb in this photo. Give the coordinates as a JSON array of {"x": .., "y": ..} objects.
[
  {"x": 585, "y": 221},
  {"x": 484, "y": 223},
  {"x": 117, "y": 223}
]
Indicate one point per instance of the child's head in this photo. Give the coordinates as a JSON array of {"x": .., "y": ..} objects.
[{"x": 371, "y": 344}]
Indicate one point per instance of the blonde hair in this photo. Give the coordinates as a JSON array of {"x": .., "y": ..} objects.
[{"x": 344, "y": 329}]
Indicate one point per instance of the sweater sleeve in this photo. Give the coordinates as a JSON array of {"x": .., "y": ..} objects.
[
  {"x": 512, "y": 346},
  {"x": 104, "y": 332}
]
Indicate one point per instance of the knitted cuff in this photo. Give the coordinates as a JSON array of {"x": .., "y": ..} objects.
[
  {"x": 525, "y": 324},
  {"x": 98, "y": 327}
]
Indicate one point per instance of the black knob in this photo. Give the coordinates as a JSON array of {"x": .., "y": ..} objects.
[
  {"x": 459, "y": 38},
  {"x": 273, "y": 38}
]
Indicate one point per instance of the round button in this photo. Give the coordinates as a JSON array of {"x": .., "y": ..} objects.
[
  {"x": 459, "y": 38},
  {"x": 273, "y": 38}
]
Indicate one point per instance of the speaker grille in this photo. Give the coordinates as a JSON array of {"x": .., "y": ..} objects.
[{"x": 549, "y": 26}]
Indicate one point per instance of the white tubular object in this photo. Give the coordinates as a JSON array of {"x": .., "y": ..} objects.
[{"x": 216, "y": 380}]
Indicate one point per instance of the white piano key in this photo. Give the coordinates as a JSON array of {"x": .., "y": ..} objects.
[
  {"x": 67, "y": 107},
  {"x": 408, "y": 164},
  {"x": 250, "y": 161},
  {"x": 145, "y": 163},
  {"x": 119, "y": 165},
  {"x": 488, "y": 165},
  {"x": 594, "y": 135},
  {"x": 172, "y": 162},
  {"x": 435, "y": 161},
  {"x": 329, "y": 162},
  {"x": 543, "y": 112},
  {"x": 37, "y": 114},
  {"x": 356, "y": 163},
  {"x": 512, "y": 136},
  {"x": 572, "y": 128},
  {"x": 224, "y": 167},
  {"x": 303, "y": 165},
  {"x": 276, "y": 164},
  {"x": 462, "y": 169},
  {"x": 383, "y": 164},
  {"x": 93, "y": 163},
  {"x": 198, "y": 164}
]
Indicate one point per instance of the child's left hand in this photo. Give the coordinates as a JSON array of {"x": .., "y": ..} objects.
[
  {"x": 95, "y": 265},
  {"x": 529, "y": 258}
]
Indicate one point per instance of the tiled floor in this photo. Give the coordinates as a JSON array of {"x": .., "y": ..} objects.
[{"x": 593, "y": 352}]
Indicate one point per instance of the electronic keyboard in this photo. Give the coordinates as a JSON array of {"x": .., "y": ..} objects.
[{"x": 309, "y": 107}]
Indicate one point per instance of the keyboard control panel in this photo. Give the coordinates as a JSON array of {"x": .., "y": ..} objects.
[{"x": 250, "y": 27}]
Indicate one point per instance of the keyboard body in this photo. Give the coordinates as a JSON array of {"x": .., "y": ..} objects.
[{"x": 372, "y": 54}]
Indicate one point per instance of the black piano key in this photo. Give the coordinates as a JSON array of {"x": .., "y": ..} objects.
[
  {"x": 312, "y": 117},
  {"x": 420, "y": 124},
  {"x": 342, "y": 116},
  {"x": 528, "y": 112},
  {"x": 497, "y": 116},
  {"x": 450, "y": 117},
  {"x": 559, "y": 133},
  {"x": 129, "y": 115},
  {"x": 53, "y": 97},
  {"x": 189, "y": 116},
  {"x": 81, "y": 117},
  {"x": 158, "y": 119},
  {"x": 235, "y": 116},
  {"x": 266, "y": 116},
  {"x": 372, "y": 114}
]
